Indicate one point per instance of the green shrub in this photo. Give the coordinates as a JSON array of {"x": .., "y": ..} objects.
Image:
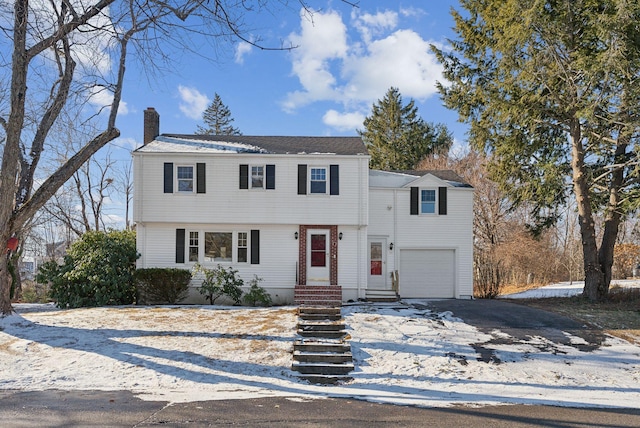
[
  {"x": 97, "y": 270},
  {"x": 256, "y": 294},
  {"x": 162, "y": 285},
  {"x": 218, "y": 282}
]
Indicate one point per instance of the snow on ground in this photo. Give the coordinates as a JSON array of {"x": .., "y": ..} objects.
[
  {"x": 568, "y": 289},
  {"x": 404, "y": 354}
]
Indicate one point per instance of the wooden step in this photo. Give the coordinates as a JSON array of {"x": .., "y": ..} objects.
[
  {"x": 310, "y": 345},
  {"x": 319, "y": 310},
  {"x": 322, "y": 368},
  {"x": 331, "y": 334},
  {"x": 320, "y": 317},
  {"x": 322, "y": 357},
  {"x": 325, "y": 379},
  {"x": 321, "y": 325}
]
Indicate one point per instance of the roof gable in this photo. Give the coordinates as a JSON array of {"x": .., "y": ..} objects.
[{"x": 398, "y": 179}]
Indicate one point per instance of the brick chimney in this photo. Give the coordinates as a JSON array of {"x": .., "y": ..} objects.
[{"x": 151, "y": 125}]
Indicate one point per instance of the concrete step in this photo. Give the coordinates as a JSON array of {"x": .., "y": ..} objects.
[
  {"x": 381, "y": 296},
  {"x": 322, "y": 357},
  {"x": 322, "y": 368},
  {"x": 310, "y": 345},
  {"x": 325, "y": 379}
]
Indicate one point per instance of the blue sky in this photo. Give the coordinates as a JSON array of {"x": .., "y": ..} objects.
[{"x": 346, "y": 59}]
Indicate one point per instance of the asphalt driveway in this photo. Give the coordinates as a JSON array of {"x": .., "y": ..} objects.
[{"x": 520, "y": 322}]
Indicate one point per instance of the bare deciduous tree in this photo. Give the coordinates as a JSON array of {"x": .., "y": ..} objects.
[{"x": 80, "y": 50}]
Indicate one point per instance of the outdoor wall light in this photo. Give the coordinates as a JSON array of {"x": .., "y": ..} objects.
[
  {"x": 391, "y": 247},
  {"x": 340, "y": 236},
  {"x": 295, "y": 235}
]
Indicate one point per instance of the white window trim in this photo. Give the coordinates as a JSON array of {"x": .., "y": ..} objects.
[
  {"x": 435, "y": 201},
  {"x": 326, "y": 179}
]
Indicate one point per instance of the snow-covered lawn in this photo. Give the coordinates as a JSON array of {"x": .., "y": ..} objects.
[{"x": 404, "y": 354}]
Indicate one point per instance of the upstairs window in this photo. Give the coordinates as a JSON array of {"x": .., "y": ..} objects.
[
  {"x": 427, "y": 201},
  {"x": 185, "y": 178},
  {"x": 257, "y": 177},
  {"x": 318, "y": 182}
]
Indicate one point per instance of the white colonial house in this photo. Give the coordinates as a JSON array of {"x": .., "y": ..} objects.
[{"x": 305, "y": 214}]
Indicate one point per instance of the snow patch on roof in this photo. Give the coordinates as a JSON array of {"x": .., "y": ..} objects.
[{"x": 166, "y": 144}]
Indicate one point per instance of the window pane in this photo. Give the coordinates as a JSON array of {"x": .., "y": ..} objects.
[
  {"x": 218, "y": 246},
  {"x": 318, "y": 242},
  {"x": 318, "y": 250},
  {"x": 193, "y": 246},
  {"x": 257, "y": 176},
  {"x": 318, "y": 180},
  {"x": 185, "y": 179},
  {"x": 428, "y": 201},
  {"x": 242, "y": 255},
  {"x": 376, "y": 251}
]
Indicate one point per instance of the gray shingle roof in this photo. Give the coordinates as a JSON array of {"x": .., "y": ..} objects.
[
  {"x": 442, "y": 174},
  {"x": 285, "y": 144}
]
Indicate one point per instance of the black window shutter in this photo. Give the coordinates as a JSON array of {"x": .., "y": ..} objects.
[
  {"x": 201, "y": 179},
  {"x": 180, "y": 245},
  {"x": 414, "y": 201},
  {"x": 255, "y": 247},
  {"x": 442, "y": 200},
  {"x": 302, "y": 179},
  {"x": 271, "y": 177},
  {"x": 244, "y": 176},
  {"x": 168, "y": 177},
  {"x": 334, "y": 177}
]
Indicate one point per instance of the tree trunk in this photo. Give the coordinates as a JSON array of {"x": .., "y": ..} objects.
[
  {"x": 5, "y": 292},
  {"x": 593, "y": 275}
]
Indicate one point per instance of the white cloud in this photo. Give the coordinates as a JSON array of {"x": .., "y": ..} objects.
[
  {"x": 371, "y": 25},
  {"x": 343, "y": 121},
  {"x": 402, "y": 59},
  {"x": 101, "y": 98},
  {"x": 321, "y": 40},
  {"x": 356, "y": 69},
  {"x": 242, "y": 50},
  {"x": 193, "y": 102}
]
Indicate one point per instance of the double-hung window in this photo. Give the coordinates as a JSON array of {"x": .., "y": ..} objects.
[
  {"x": 193, "y": 246},
  {"x": 185, "y": 178},
  {"x": 427, "y": 201},
  {"x": 318, "y": 181},
  {"x": 257, "y": 177},
  {"x": 242, "y": 247}
]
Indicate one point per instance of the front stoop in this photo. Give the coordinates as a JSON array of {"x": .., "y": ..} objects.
[
  {"x": 318, "y": 295},
  {"x": 323, "y": 355}
]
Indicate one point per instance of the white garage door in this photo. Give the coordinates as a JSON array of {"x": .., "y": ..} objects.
[{"x": 427, "y": 274}]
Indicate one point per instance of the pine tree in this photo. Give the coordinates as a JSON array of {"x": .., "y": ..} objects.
[
  {"x": 218, "y": 119},
  {"x": 550, "y": 90},
  {"x": 398, "y": 138}
]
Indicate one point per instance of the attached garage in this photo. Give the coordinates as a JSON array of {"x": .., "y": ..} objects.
[{"x": 427, "y": 273}]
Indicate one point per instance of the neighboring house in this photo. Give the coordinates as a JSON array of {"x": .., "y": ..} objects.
[{"x": 300, "y": 213}]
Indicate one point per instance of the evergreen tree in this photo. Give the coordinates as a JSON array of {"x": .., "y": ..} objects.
[
  {"x": 397, "y": 138},
  {"x": 218, "y": 119},
  {"x": 550, "y": 91}
]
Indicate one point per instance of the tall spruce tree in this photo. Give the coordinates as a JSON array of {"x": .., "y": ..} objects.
[
  {"x": 550, "y": 90},
  {"x": 218, "y": 119},
  {"x": 397, "y": 138}
]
